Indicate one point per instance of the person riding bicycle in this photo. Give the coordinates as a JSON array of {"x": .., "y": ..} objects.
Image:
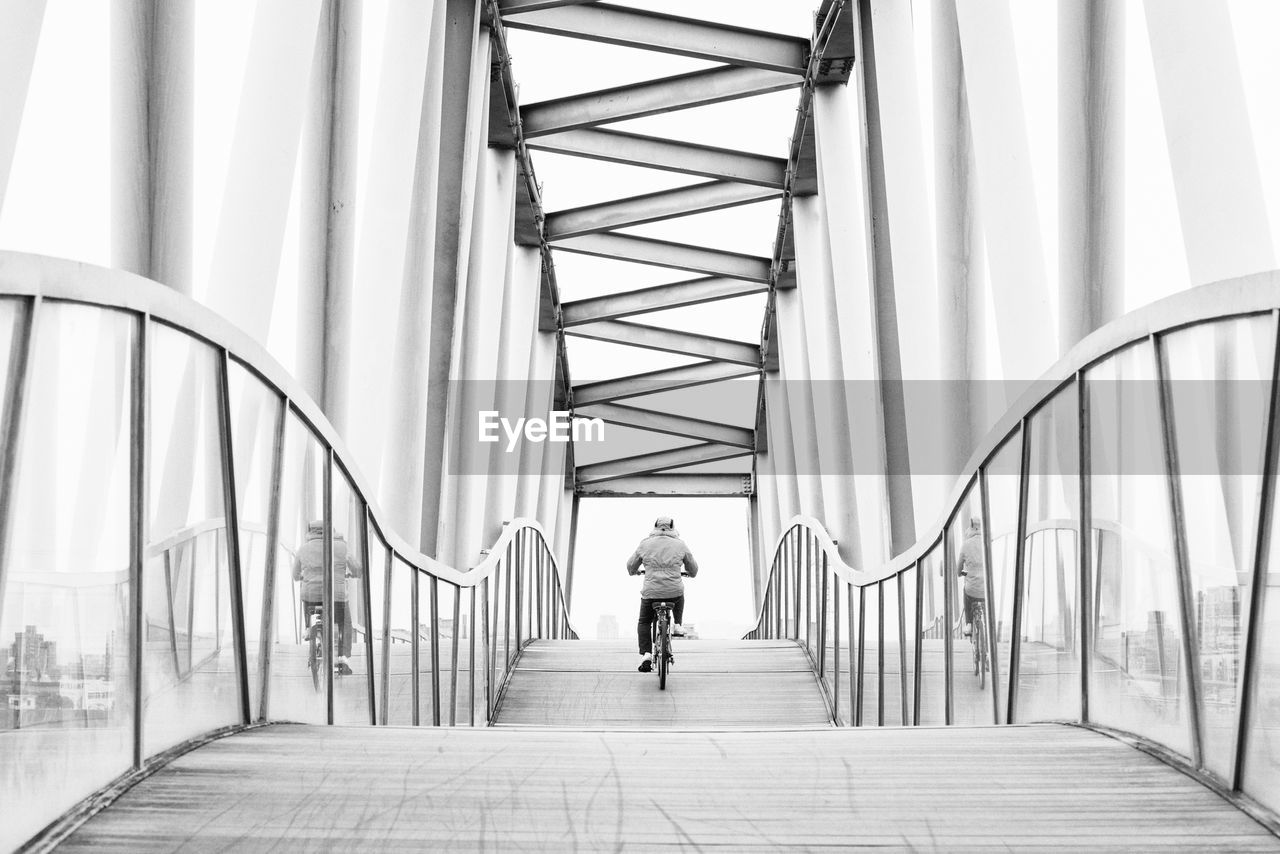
[
  {"x": 663, "y": 555},
  {"x": 972, "y": 568},
  {"x": 308, "y": 567}
]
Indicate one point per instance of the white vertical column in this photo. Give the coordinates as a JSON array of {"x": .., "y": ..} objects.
[
  {"x": 793, "y": 365},
  {"x": 1006, "y": 192},
  {"x": 462, "y": 128},
  {"x": 834, "y": 433},
  {"x": 409, "y": 108},
  {"x": 20, "y": 26},
  {"x": 516, "y": 362},
  {"x": 1091, "y": 119},
  {"x": 328, "y": 208},
  {"x": 264, "y": 150},
  {"x": 152, "y": 139},
  {"x": 843, "y": 188},
  {"x": 540, "y": 396},
  {"x": 959, "y": 257},
  {"x": 463, "y": 524},
  {"x": 1221, "y": 204}
]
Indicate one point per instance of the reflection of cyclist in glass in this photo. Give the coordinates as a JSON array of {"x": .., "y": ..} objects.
[
  {"x": 663, "y": 555},
  {"x": 971, "y": 568},
  {"x": 308, "y": 567}
]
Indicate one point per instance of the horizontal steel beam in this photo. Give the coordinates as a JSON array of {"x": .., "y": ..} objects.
[
  {"x": 651, "y": 97},
  {"x": 670, "y": 341},
  {"x": 671, "y": 155},
  {"x": 653, "y": 382},
  {"x": 676, "y": 256},
  {"x": 672, "y": 485},
  {"x": 672, "y": 425},
  {"x": 600, "y": 22},
  {"x": 654, "y": 207},
  {"x": 657, "y": 298},
  {"x": 690, "y": 455}
]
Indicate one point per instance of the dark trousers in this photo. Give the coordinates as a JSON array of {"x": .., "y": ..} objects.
[
  {"x": 341, "y": 624},
  {"x": 644, "y": 626}
]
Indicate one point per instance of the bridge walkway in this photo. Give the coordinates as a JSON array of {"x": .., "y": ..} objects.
[
  {"x": 1038, "y": 787},
  {"x": 712, "y": 685}
]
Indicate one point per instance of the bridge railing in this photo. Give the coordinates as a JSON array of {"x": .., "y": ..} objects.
[
  {"x": 1154, "y": 442},
  {"x": 165, "y": 489}
]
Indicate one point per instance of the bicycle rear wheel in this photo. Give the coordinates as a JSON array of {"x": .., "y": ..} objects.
[
  {"x": 980, "y": 647},
  {"x": 313, "y": 660},
  {"x": 661, "y": 654}
]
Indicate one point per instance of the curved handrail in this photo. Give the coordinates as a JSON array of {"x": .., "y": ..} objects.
[
  {"x": 1168, "y": 648},
  {"x": 25, "y": 274}
]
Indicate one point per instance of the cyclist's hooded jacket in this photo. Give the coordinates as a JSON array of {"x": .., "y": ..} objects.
[
  {"x": 308, "y": 565},
  {"x": 663, "y": 553}
]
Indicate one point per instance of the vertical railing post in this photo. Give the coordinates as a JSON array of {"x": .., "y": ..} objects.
[
  {"x": 880, "y": 654},
  {"x": 902, "y": 648},
  {"x": 415, "y": 651},
  {"x": 1084, "y": 538},
  {"x": 232, "y": 515},
  {"x": 434, "y": 585},
  {"x": 366, "y": 585},
  {"x": 471, "y": 658},
  {"x": 326, "y": 503},
  {"x": 271, "y": 557},
  {"x": 453, "y": 656},
  {"x": 821, "y": 573},
  {"x": 919, "y": 641},
  {"x": 948, "y": 609},
  {"x": 984, "y": 497},
  {"x": 384, "y": 675},
  {"x": 835, "y": 642},
  {"x": 21, "y": 359},
  {"x": 139, "y": 511},
  {"x": 861, "y": 657},
  {"x": 1181, "y": 555},
  {"x": 1019, "y": 568},
  {"x": 1263, "y": 530},
  {"x": 520, "y": 567}
]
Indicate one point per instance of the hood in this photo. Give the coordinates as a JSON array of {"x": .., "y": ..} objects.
[
  {"x": 665, "y": 532},
  {"x": 315, "y": 530}
]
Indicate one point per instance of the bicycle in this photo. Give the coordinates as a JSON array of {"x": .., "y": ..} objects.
[
  {"x": 981, "y": 661},
  {"x": 315, "y": 644},
  {"x": 663, "y": 658}
]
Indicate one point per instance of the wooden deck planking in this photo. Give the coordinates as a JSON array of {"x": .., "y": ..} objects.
[
  {"x": 713, "y": 685},
  {"x": 1045, "y": 787}
]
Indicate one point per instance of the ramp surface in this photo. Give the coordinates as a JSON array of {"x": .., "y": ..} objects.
[
  {"x": 713, "y": 685},
  {"x": 303, "y": 788}
]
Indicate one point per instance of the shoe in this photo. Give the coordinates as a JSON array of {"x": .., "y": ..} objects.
[
  {"x": 646, "y": 666},
  {"x": 344, "y": 669},
  {"x": 968, "y": 631},
  {"x": 677, "y": 630}
]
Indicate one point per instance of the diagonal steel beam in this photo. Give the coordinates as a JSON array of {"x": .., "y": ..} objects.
[
  {"x": 689, "y": 455},
  {"x": 657, "y": 298},
  {"x": 672, "y": 425},
  {"x": 515, "y": 7},
  {"x": 653, "y": 382},
  {"x": 654, "y": 207},
  {"x": 600, "y": 22},
  {"x": 671, "y": 155},
  {"x": 672, "y": 485},
  {"x": 662, "y": 253},
  {"x": 650, "y": 97},
  {"x": 670, "y": 341}
]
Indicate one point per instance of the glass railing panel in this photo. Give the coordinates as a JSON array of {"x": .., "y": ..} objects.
[
  {"x": 255, "y": 411},
  {"x": 297, "y": 675},
  {"x": 499, "y": 615},
  {"x": 378, "y": 618},
  {"x": 909, "y": 581},
  {"x": 1138, "y": 672},
  {"x": 853, "y": 626},
  {"x": 1219, "y": 379},
  {"x": 189, "y": 674},
  {"x": 351, "y": 621},
  {"x": 67, "y": 726},
  {"x": 1003, "y": 480},
  {"x": 871, "y": 656},
  {"x": 967, "y": 577},
  {"x": 470, "y": 657},
  {"x": 433, "y": 673},
  {"x": 1049, "y": 653},
  {"x": 1260, "y": 774},
  {"x": 892, "y": 646},
  {"x": 835, "y": 683},
  {"x": 932, "y": 634},
  {"x": 400, "y": 662}
]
